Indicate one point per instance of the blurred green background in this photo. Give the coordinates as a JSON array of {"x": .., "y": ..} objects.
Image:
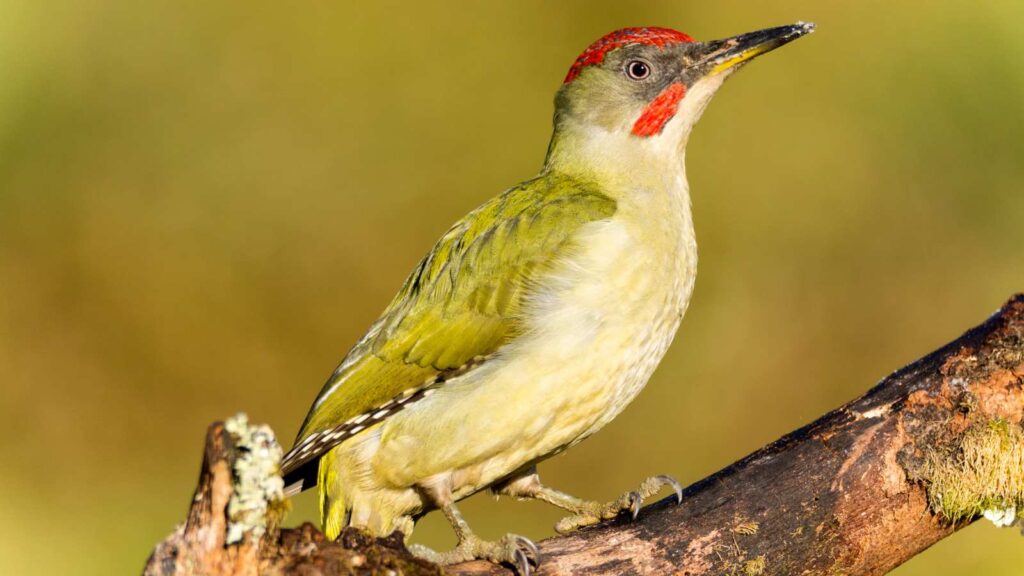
[{"x": 202, "y": 206}]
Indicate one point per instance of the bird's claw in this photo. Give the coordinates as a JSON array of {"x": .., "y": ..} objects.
[
  {"x": 519, "y": 551},
  {"x": 671, "y": 482},
  {"x": 529, "y": 545},
  {"x": 522, "y": 563},
  {"x": 635, "y": 501}
]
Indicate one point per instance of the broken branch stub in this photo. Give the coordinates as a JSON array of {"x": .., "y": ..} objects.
[{"x": 231, "y": 527}]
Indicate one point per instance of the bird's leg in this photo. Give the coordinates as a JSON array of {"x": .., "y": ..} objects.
[
  {"x": 586, "y": 512},
  {"x": 511, "y": 548}
]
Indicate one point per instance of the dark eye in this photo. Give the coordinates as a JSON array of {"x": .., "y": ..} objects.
[{"x": 638, "y": 70}]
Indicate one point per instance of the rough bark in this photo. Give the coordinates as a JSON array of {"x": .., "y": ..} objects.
[
  {"x": 199, "y": 547},
  {"x": 856, "y": 492}
]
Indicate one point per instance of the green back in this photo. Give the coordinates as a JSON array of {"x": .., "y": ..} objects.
[{"x": 464, "y": 299}]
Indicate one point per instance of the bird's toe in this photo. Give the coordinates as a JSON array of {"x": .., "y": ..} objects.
[{"x": 630, "y": 502}]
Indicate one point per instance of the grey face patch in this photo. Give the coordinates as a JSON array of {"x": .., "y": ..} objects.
[{"x": 668, "y": 65}]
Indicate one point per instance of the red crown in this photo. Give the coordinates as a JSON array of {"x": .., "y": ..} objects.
[{"x": 596, "y": 52}]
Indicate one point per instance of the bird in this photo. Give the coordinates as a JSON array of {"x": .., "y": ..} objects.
[{"x": 536, "y": 318}]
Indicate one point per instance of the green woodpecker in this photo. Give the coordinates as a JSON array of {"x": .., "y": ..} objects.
[{"x": 536, "y": 318}]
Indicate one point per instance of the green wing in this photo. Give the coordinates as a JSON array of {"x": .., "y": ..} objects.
[{"x": 461, "y": 303}]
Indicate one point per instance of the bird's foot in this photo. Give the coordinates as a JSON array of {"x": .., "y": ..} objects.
[
  {"x": 595, "y": 512},
  {"x": 512, "y": 549}
]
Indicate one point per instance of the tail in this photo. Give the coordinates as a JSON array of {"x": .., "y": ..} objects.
[
  {"x": 302, "y": 478},
  {"x": 323, "y": 472},
  {"x": 344, "y": 504},
  {"x": 335, "y": 513}
]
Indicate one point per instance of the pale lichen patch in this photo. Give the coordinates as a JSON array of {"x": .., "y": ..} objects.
[
  {"x": 1002, "y": 518},
  {"x": 877, "y": 412},
  {"x": 258, "y": 494}
]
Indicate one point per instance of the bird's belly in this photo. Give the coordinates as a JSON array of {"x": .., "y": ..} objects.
[{"x": 591, "y": 344}]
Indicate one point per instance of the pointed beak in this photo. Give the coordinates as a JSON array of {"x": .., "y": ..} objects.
[{"x": 718, "y": 56}]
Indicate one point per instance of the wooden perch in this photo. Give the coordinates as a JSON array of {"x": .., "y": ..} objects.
[{"x": 858, "y": 492}]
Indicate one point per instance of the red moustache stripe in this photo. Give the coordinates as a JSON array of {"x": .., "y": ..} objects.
[{"x": 664, "y": 106}]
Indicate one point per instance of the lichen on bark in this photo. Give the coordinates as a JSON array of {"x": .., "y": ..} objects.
[
  {"x": 984, "y": 472},
  {"x": 257, "y": 501}
]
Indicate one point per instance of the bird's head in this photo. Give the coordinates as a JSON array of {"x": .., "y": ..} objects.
[{"x": 649, "y": 86}]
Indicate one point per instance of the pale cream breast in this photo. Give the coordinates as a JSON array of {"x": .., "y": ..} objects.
[{"x": 595, "y": 334}]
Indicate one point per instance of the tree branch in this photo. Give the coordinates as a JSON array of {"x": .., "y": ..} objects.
[{"x": 858, "y": 492}]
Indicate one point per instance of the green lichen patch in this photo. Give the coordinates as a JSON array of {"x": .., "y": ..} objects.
[
  {"x": 983, "y": 473},
  {"x": 734, "y": 559},
  {"x": 746, "y": 528},
  {"x": 754, "y": 567}
]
